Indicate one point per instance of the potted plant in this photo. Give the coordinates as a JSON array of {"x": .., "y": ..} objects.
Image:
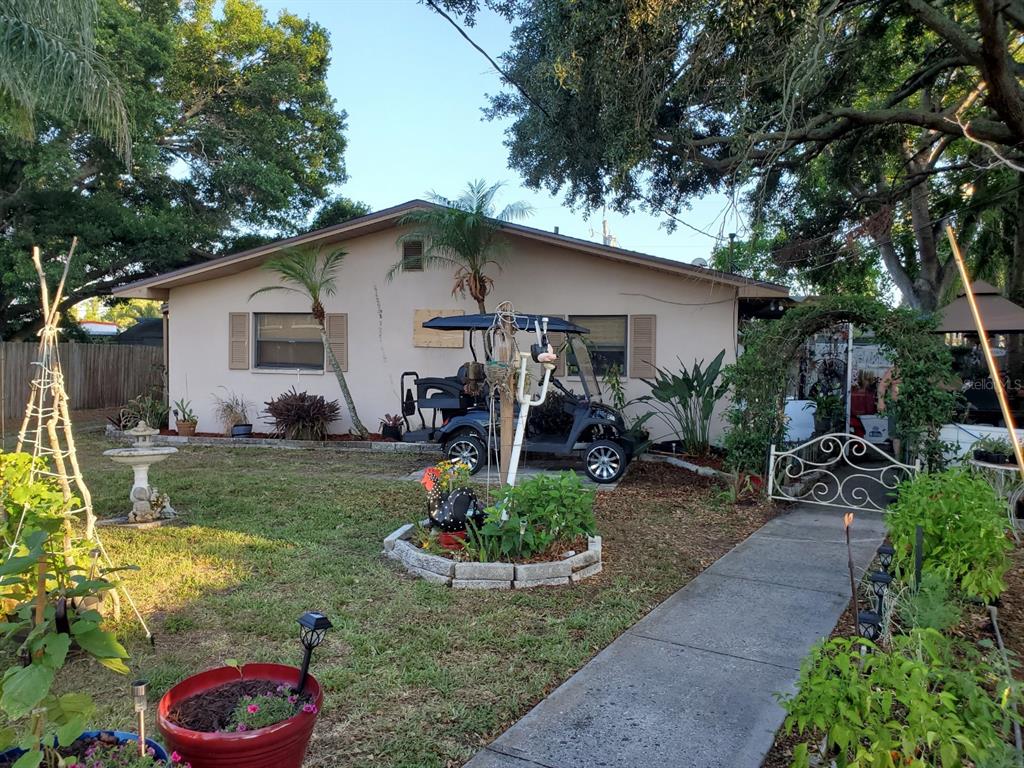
[
  {"x": 185, "y": 420},
  {"x": 233, "y": 412},
  {"x": 993, "y": 450},
  {"x": 391, "y": 426},
  {"x": 103, "y": 749},
  {"x": 252, "y": 715}
]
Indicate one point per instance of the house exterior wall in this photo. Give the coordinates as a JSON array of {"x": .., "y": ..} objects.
[{"x": 695, "y": 320}]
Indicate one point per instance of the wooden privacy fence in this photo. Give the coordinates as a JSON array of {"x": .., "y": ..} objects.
[{"x": 96, "y": 375}]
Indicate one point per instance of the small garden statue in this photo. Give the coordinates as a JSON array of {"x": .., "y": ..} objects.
[{"x": 450, "y": 501}]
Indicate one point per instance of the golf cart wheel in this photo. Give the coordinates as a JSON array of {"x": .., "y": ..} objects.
[
  {"x": 467, "y": 448},
  {"x": 604, "y": 461}
]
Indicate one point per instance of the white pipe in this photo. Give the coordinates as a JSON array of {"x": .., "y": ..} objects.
[{"x": 525, "y": 403}]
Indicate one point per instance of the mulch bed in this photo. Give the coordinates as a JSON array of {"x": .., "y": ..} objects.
[
  {"x": 373, "y": 437},
  {"x": 211, "y": 710}
]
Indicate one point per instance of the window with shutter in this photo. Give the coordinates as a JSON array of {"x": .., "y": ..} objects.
[
  {"x": 238, "y": 341},
  {"x": 337, "y": 337},
  {"x": 642, "y": 347}
]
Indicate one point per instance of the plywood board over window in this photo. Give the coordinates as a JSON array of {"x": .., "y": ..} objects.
[{"x": 428, "y": 337}]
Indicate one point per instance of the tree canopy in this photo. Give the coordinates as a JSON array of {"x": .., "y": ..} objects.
[
  {"x": 233, "y": 132},
  {"x": 859, "y": 121}
]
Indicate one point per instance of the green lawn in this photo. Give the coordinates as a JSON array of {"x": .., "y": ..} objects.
[{"x": 415, "y": 674}]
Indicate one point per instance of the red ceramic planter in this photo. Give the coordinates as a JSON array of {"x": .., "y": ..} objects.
[{"x": 282, "y": 745}]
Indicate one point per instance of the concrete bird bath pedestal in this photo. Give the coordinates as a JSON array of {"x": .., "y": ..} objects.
[{"x": 149, "y": 506}]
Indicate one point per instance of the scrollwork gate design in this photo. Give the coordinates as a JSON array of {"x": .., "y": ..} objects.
[{"x": 836, "y": 470}]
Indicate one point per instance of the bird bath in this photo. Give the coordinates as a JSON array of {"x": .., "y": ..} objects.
[{"x": 148, "y": 504}]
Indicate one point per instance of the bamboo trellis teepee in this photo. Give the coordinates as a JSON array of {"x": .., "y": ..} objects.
[{"x": 46, "y": 428}]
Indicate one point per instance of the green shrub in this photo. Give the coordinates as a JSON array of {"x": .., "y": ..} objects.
[
  {"x": 530, "y": 517},
  {"x": 931, "y": 606},
  {"x": 965, "y": 528},
  {"x": 926, "y": 702}
]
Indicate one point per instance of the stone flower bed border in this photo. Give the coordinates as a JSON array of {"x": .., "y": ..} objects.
[{"x": 466, "y": 575}]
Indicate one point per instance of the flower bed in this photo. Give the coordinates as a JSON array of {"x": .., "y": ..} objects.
[{"x": 462, "y": 574}]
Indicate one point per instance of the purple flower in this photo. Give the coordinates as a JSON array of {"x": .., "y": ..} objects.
[
  {"x": 242, "y": 727},
  {"x": 293, "y": 699},
  {"x": 311, "y": 708}
]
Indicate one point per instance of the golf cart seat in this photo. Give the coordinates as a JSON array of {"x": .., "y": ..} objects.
[{"x": 443, "y": 393}]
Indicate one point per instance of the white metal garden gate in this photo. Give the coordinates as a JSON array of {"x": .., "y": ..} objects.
[{"x": 836, "y": 470}]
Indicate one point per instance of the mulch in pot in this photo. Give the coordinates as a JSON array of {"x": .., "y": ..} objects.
[{"x": 211, "y": 710}]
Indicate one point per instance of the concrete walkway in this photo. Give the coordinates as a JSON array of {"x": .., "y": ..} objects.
[{"x": 694, "y": 682}]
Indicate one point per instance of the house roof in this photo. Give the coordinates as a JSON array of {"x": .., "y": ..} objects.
[{"x": 158, "y": 286}]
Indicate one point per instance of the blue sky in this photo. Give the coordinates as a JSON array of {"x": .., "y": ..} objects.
[{"x": 414, "y": 89}]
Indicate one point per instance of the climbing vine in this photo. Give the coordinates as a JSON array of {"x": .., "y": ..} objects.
[{"x": 758, "y": 378}]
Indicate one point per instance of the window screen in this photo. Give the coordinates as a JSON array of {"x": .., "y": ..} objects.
[
  {"x": 288, "y": 341},
  {"x": 606, "y": 340}
]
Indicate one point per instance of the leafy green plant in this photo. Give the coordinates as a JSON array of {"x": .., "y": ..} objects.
[
  {"x": 685, "y": 401},
  {"x": 930, "y": 606},
  {"x": 43, "y": 579},
  {"x": 149, "y": 408},
  {"x": 829, "y": 409},
  {"x": 183, "y": 411},
  {"x": 965, "y": 529},
  {"x": 253, "y": 712},
  {"x": 302, "y": 416},
  {"x": 612, "y": 379},
  {"x": 924, "y": 702},
  {"x": 993, "y": 445},
  {"x": 530, "y": 517}
]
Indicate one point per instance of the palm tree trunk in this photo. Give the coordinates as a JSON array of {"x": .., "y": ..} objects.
[{"x": 340, "y": 376}]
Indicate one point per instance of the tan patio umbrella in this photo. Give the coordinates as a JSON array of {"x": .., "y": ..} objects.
[{"x": 999, "y": 313}]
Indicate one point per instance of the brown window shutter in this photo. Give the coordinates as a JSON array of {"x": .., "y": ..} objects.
[
  {"x": 642, "y": 348},
  {"x": 238, "y": 341},
  {"x": 337, "y": 336}
]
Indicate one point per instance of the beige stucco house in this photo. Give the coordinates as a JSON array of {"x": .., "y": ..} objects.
[{"x": 641, "y": 309}]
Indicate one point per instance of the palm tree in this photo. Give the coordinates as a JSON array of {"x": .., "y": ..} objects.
[
  {"x": 305, "y": 273},
  {"x": 462, "y": 234},
  {"x": 49, "y": 63}
]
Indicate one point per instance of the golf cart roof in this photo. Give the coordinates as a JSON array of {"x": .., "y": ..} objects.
[{"x": 483, "y": 322}]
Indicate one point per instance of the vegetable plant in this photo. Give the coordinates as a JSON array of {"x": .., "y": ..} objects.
[
  {"x": 965, "y": 529},
  {"x": 685, "y": 401},
  {"x": 46, "y": 572},
  {"x": 530, "y": 517},
  {"x": 928, "y": 701}
]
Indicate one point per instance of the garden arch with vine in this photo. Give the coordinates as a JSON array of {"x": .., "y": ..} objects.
[{"x": 758, "y": 378}]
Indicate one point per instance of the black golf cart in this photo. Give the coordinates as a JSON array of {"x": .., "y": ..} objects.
[{"x": 590, "y": 429}]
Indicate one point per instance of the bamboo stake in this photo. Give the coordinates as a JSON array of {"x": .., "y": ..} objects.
[{"x": 993, "y": 369}]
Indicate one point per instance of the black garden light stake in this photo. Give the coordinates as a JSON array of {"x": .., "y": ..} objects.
[
  {"x": 885, "y": 555},
  {"x": 314, "y": 626},
  {"x": 880, "y": 581},
  {"x": 139, "y": 703},
  {"x": 869, "y": 625}
]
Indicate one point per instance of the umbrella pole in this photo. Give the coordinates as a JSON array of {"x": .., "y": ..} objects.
[{"x": 993, "y": 369}]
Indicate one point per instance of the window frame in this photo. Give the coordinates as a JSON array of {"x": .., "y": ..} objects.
[
  {"x": 582, "y": 321},
  {"x": 259, "y": 367}
]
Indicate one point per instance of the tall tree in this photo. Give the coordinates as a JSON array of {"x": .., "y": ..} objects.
[
  {"x": 315, "y": 278},
  {"x": 655, "y": 102},
  {"x": 233, "y": 128},
  {"x": 49, "y": 64},
  {"x": 463, "y": 235}
]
